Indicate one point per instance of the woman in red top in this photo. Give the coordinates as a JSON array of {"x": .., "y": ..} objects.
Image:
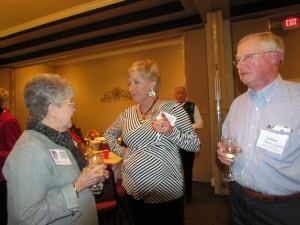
[{"x": 10, "y": 131}]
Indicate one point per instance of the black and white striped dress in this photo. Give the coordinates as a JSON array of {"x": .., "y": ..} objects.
[{"x": 151, "y": 172}]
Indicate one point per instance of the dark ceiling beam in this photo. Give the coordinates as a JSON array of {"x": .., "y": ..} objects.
[
  {"x": 260, "y": 6},
  {"x": 72, "y": 18},
  {"x": 184, "y": 22},
  {"x": 146, "y": 14},
  {"x": 203, "y": 7},
  {"x": 222, "y": 6},
  {"x": 273, "y": 15}
]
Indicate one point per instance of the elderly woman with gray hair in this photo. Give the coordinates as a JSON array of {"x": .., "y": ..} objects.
[
  {"x": 43, "y": 189},
  {"x": 10, "y": 131}
]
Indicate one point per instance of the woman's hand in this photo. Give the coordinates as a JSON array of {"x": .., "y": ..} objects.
[
  {"x": 89, "y": 177},
  {"x": 124, "y": 151},
  {"x": 162, "y": 126}
]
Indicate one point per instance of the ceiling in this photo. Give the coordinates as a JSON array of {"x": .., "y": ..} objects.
[{"x": 45, "y": 30}]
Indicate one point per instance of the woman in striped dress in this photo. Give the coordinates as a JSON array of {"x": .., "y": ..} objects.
[{"x": 151, "y": 173}]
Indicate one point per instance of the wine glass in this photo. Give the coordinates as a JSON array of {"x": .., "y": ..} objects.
[
  {"x": 93, "y": 160},
  {"x": 156, "y": 117},
  {"x": 231, "y": 149}
]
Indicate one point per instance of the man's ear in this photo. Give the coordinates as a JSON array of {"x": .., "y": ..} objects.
[{"x": 276, "y": 56}]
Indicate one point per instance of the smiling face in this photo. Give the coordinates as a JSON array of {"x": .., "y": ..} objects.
[
  {"x": 139, "y": 88},
  {"x": 262, "y": 69}
]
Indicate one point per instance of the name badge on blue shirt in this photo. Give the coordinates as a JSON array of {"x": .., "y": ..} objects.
[{"x": 271, "y": 141}]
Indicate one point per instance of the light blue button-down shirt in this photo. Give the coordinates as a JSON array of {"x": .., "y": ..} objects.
[{"x": 259, "y": 169}]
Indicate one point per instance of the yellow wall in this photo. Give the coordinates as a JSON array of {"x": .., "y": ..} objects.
[{"x": 91, "y": 79}]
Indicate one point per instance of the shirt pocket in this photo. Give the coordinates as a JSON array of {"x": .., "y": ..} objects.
[{"x": 289, "y": 154}]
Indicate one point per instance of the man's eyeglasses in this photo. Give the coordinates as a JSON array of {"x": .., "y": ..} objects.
[
  {"x": 247, "y": 57},
  {"x": 72, "y": 104}
]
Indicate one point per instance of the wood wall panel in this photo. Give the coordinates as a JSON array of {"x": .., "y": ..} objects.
[{"x": 197, "y": 88}]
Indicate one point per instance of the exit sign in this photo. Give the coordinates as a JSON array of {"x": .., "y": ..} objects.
[{"x": 290, "y": 23}]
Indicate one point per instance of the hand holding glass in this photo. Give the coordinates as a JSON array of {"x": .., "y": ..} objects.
[
  {"x": 94, "y": 160},
  {"x": 156, "y": 117},
  {"x": 231, "y": 149}
]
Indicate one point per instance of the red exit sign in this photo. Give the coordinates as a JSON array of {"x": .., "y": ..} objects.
[{"x": 290, "y": 23}]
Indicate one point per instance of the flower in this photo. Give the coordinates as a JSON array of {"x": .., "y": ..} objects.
[{"x": 92, "y": 134}]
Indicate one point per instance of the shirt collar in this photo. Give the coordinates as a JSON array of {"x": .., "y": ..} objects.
[{"x": 267, "y": 92}]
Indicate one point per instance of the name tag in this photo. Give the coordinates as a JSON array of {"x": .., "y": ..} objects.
[
  {"x": 60, "y": 157},
  {"x": 272, "y": 142}
]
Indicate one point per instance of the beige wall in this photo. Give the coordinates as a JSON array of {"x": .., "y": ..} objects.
[
  {"x": 291, "y": 65},
  {"x": 91, "y": 79}
]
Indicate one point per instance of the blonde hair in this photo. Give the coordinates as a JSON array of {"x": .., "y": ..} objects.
[
  {"x": 148, "y": 70},
  {"x": 269, "y": 42},
  {"x": 3, "y": 96}
]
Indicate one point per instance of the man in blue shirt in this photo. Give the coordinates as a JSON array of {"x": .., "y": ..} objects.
[{"x": 266, "y": 122}]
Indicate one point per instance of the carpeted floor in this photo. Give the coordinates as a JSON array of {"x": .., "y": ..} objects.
[{"x": 206, "y": 208}]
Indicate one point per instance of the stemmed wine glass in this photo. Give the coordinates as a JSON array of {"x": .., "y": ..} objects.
[
  {"x": 231, "y": 149},
  {"x": 156, "y": 116},
  {"x": 93, "y": 160}
]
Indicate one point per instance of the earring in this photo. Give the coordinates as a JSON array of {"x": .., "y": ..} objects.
[{"x": 152, "y": 93}]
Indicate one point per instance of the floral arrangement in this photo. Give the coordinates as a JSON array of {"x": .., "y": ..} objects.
[{"x": 92, "y": 134}]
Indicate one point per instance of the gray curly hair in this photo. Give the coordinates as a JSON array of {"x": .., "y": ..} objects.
[{"x": 43, "y": 90}]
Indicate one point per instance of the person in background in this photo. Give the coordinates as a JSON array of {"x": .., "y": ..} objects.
[
  {"x": 42, "y": 189},
  {"x": 187, "y": 158},
  {"x": 10, "y": 131},
  {"x": 76, "y": 136},
  {"x": 152, "y": 173},
  {"x": 266, "y": 122}
]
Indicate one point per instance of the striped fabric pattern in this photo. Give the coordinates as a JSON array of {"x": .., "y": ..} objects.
[{"x": 151, "y": 172}]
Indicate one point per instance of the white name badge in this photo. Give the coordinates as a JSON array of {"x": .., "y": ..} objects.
[
  {"x": 171, "y": 118},
  {"x": 60, "y": 157},
  {"x": 272, "y": 142}
]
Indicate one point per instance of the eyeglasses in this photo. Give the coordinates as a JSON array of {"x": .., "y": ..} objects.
[
  {"x": 247, "y": 57},
  {"x": 72, "y": 104}
]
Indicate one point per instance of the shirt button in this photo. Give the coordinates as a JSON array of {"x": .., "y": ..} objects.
[
  {"x": 256, "y": 108},
  {"x": 249, "y": 145},
  {"x": 247, "y": 183},
  {"x": 253, "y": 126},
  {"x": 246, "y": 164}
]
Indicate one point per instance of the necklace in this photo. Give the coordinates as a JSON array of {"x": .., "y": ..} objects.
[{"x": 143, "y": 120}]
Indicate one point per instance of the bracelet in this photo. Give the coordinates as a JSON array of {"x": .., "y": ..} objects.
[{"x": 75, "y": 190}]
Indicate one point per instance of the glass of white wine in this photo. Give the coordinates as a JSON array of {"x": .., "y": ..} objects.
[
  {"x": 94, "y": 160},
  {"x": 156, "y": 117},
  {"x": 231, "y": 149}
]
